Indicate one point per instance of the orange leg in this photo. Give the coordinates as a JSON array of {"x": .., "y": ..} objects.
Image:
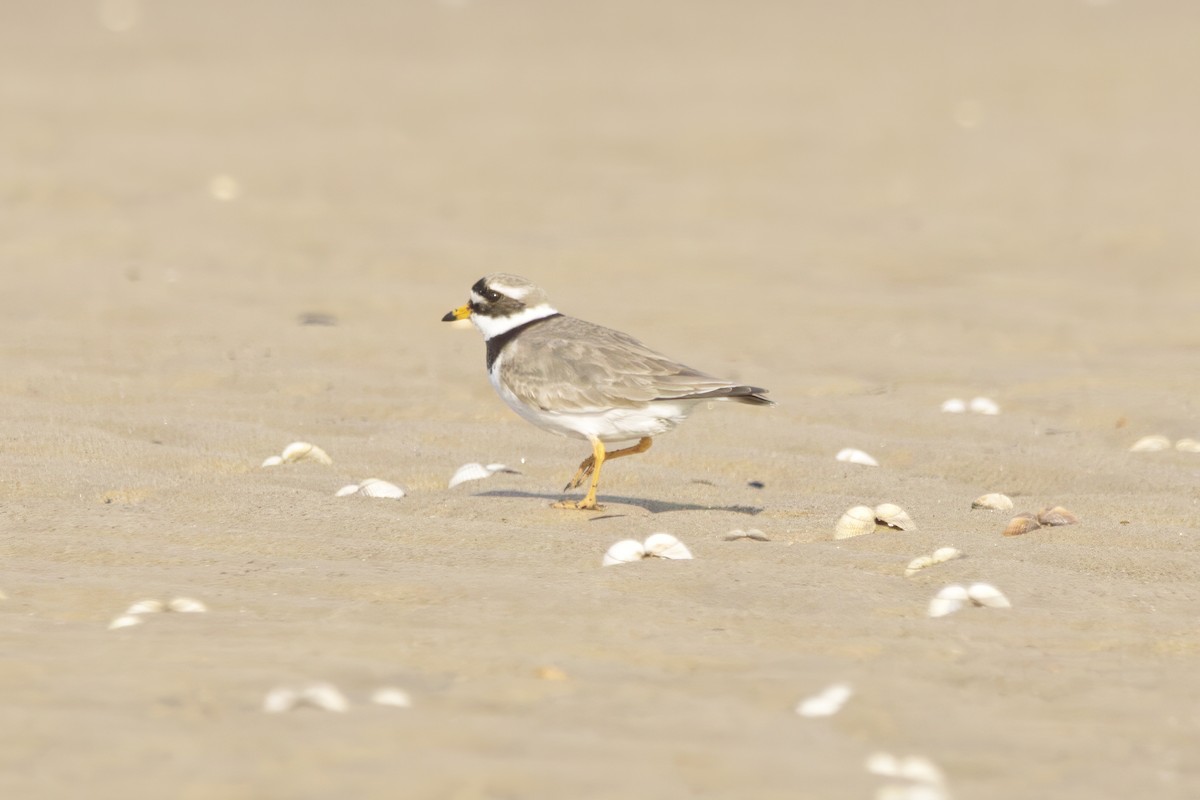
[{"x": 591, "y": 466}]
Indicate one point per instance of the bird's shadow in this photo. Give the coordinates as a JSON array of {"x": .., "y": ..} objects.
[{"x": 653, "y": 506}]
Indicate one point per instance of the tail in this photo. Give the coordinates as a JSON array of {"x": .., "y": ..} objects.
[{"x": 751, "y": 395}]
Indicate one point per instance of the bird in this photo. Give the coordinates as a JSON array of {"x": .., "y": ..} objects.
[{"x": 578, "y": 379}]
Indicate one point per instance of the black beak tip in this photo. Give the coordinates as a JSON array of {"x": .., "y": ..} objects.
[{"x": 449, "y": 317}]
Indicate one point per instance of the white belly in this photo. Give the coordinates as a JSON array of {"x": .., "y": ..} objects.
[{"x": 607, "y": 425}]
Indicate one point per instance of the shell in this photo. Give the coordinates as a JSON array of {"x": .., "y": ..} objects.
[
  {"x": 475, "y": 472},
  {"x": 1058, "y": 515},
  {"x": 993, "y": 502},
  {"x": 326, "y": 697},
  {"x": 126, "y": 621},
  {"x": 827, "y": 703},
  {"x": 146, "y": 607},
  {"x": 374, "y": 487},
  {"x": 280, "y": 699},
  {"x": 984, "y": 405},
  {"x": 852, "y": 456},
  {"x": 187, "y": 605},
  {"x": 1151, "y": 444},
  {"x": 753, "y": 533},
  {"x": 347, "y": 490},
  {"x": 917, "y": 564},
  {"x": 950, "y": 599},
  {"x": 391, "y": 696},
  {"x": 954, "y": 405},
  {"x": 984, "y": 594},
  {"x": 1022, "y": 523},
  {"x": 944, "y": 554},
  {"x": 1188, "y": 446},
  {"x": 305, "y": 451},
  {"x": 664, "y": 545},
  {"x": 272, "y": 461},
  {"x": 855, "y": 522},
  {"x": 895, "y": 517},
  {"x": 624, "y": 552}
]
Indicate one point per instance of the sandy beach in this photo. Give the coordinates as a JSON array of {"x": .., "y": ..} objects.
[{"x": 867, "y": 208}]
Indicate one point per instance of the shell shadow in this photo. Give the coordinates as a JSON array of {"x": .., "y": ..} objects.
[{"x": 653, "y": 506}]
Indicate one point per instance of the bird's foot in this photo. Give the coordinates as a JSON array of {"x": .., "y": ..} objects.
[
  {"x": 586, "y": 504},
  {"x": 586, "y": 467}
]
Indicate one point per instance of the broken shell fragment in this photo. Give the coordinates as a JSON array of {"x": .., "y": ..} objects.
[
  {"x": 346, "y": 491},
  {"x": 984, "y": 405},
  {"x": 1188, "y": 446},
  {"x": 125, "y": 621},
  {"x": 1058, "y": 515},
  {"x": 1151, "y": 444},
  {"x": 187, "y": 605},
  {"x": 624, "y": 552},
  {"x": 475, "y": 472},
  {"x": 324, "y": 696},
  {"x": 305, "y": 451},
  {"x": 950, "y": 599},
  {"x": 664, "y": 545},
  {"x": 753, "y": 533},
  {"x": 895, "y": 517},
  {"x": 280, "y": 699},
  {"x": 954, "y": 405},
  {"x": 272, "y": 461},
  {"x": 993, "y": 502},
  {"x": 946, "y": 554},
  {"x": 984, "y": 594},
  {"x": 391, "y": 696},
  {"x": 855, "y": 522},
  {"x": 1022, "y": 523},
  {"x": 852, "y": 456},
  {"x": 146, "y": 607},
  {"x": 827, "y": 703}
]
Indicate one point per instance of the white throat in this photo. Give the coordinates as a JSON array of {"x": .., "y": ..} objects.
[{"x": 494, "y": 326}]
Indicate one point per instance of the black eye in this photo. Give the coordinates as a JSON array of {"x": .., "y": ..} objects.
[{"x": 491, "y": 295}]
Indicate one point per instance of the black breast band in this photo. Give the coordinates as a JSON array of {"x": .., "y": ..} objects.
[{"x": 497, "y": 342}]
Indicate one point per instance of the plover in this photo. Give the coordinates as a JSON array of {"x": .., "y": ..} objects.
[{"x": 578, "y": 379}]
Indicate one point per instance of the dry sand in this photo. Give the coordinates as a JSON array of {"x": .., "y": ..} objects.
[{"x": 867, "y": 208}]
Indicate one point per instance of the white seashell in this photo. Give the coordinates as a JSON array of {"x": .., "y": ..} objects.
[
  {"x": 753, "y": 533},
  {"x": 664, "y": 545},
  {"x": 954, "y": 405},
  {"x": 920, "y": 770},
  {"x": 852, "y": 456},
  {"x": 475, "y": 472},
  {"x": 391, "y": 696},
  {"x": 855, "y": 522},
  {"x": 624, "y": 552},
  {"x": 373, "y": 487},
  {"x": 895, "y": 517},
  {"x": 944, "y": 554},
  {"x": 347, "y": 490},
  {"x": 884, "y": 764},
  {"x": 984, "y": 594},
  {"x": 280, "y": 699},
  {"x": 827, "y": 703},
  {"x": 187, "y": 605},
  {"x": 917, "y": 564},
  {"x": 126, "y": 621},
  {"x": 948, "y": 600},
  {"x": 1188, "y": 446},
  {"x": 304, "y": 451},
  {"x": 1151, "y": 444},
  {"x": 146, "y": 607},
  {"x": 326, "y": 697},
  {"x": 272, "y": 461},
  {"x": 984, "y": 405},
  {"x": 993, "y": 502}
]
